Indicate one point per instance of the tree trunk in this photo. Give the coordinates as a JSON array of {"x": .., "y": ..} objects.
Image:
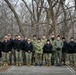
[
  {"x": 16, "y": 16},
  {"x": 53, "y": 17},
  {"x": 47, "y": 23}
]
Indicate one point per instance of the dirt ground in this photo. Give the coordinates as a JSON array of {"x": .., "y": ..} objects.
[
  {"x": 74, "y": 67},
  {"x": 3, "y": 69}
]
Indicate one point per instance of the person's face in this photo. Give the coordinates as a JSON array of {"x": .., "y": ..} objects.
[
  {"x": 34, "y": 38},
  {"x": 52, "y": 36},
  {"x": 25, "y": 38},
  {"x": 71, "y": 39},
  {"x": 6, "y": 39},
  {"x": 16, "y": 37},
  {"x": 43, "y": 37},
  {"x": 63, "y": 40},
  {"x": 9, "y": 36},
  {"x": 58, "y": 38},
  {"x": 29, "y": 41},
  {"x": 48, "y": 42},
  {"x": 19, "y": 38},
  {"x": 38, "y": 41}
]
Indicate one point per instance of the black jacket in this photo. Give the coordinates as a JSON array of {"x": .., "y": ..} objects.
[
  {"x": 19, "y": 45},
  {"x": 65, "y": 47},
  {"x": 0, "y": 48},
  {"x": 24, "y": 42},
  {"x": 12, "y": 42},
  {"x": 47, "y": 48},
  {"x": 15, "y": 43},
  {"x": 71, "y": 47},
  {"x": 29, "y": 47},
  {"x": 6, "y": 46}
]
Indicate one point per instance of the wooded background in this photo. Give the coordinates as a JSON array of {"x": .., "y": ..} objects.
[{"x": 40, "y": 17}]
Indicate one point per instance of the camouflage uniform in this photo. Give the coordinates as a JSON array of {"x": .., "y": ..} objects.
[
  {"x": 34, "y": 48},
  {"x": 38, "y": 53},
  {"x": 53, "y": 60},
  {"x": 43, "y": 41}
]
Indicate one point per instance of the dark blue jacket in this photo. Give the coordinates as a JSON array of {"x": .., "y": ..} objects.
[
  {"x": 24, "y": 42},
  {"x": 0, "y": 48},
  {"x": 29, "y": 47},
  {"x": 12, "y": 42},
  {"x": 65, "y": 47},
  {"x": 47, "y": 48},
  {"x": 15, "y": 42},
  {"x": 6, "y": 46},
  {"x": 19, "y": 45},
  {"x": 71, "y": 47}
]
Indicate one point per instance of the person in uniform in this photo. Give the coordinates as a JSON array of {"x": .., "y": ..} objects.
[
  {"x": 43, "y": 41},
  {"x": 71, "y": 51},
  {"x": 15, "y": 48},
  {"x": 47, "y": 50},
  {"x": 53, "y": 59},
  {"x": 58, "y": 47},
  {"x": 64, "y": 51},
  {"x": 12, "y": 51},
  {"x": 0, "y": 49},
  {"x": 34, "y": 41},
  {"x": 19, "y": 52},
  {"x": 6, "y": 51},
  {"x": 38, "y": 52},
  {"x": 24, "y": 50},
  {"x": 29, "y": 50}
]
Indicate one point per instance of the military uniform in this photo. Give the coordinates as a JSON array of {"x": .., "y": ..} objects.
[
  {"x": 53, "y": 59},
  {"x": 0, "y": 49},
  {"x": 12, "y": 55},
  {"x": 43, "y": 41},
  {"x": 24, "y": 51},
  {"x": 38, "y": 53},
  {"x": 72, "y": 52},
  {"x": 15, "y": 44},
  {"x": 64, "y": 52},
  {"x": 29, "y": 50},
  {"x": 19, "y": 53},
  {"x": 34, "y": 48},
  {"x": 47, "y": 49},
  {"x": 6, "y": 48},
  {"x": 58, "y": 47}
]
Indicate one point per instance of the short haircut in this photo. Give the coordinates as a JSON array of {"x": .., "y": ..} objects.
[{"x": 34, "y": 35}]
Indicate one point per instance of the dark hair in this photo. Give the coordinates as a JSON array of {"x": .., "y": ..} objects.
[
  {"x": 16, "y": 35},
  {"x": 72, "y": 38},
  {"x": 39, "y": 39},
  {"x": 63, "y": 37},
  {"x": 48, "y": 40},
  {"x": 58, "y": 36},
  {"x": 34, "y": 35}
]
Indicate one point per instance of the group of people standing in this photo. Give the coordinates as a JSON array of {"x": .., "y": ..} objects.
[{"x": 38, "y": 51}]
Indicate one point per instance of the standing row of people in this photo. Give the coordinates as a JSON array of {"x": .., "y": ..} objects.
[{"x": 37, "y": 51}]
